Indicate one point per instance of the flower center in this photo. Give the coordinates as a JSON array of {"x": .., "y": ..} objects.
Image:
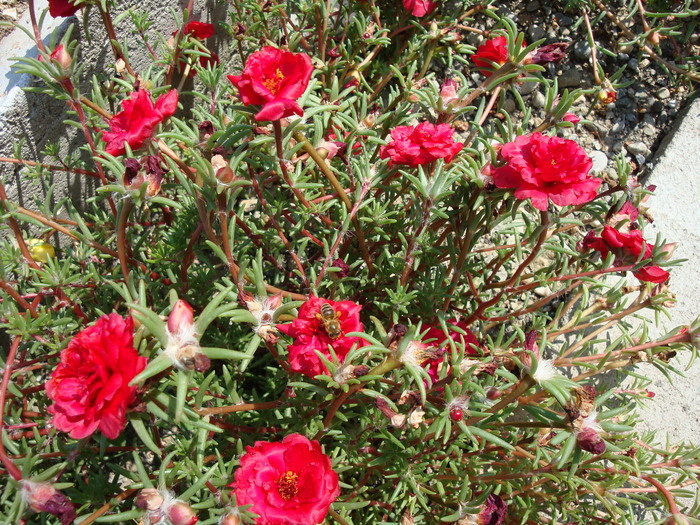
[
  {"x": 273, "y": 84},
  {"x": 287, "y": 485}
]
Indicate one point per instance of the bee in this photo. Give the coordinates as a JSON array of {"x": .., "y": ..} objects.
[{"x": 330, "y": 321}]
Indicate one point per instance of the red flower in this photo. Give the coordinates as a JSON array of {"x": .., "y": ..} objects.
[
  {"x": 274, "y": 79},
  {"x": 63, "y": 8},
  {"x": 288, "y": 483},
  {"x": 136, "y": 122},
  {"x": 436, "y": 337},
  {"x": 494, "y": 51},
  {"x": 200, "y": 30},
  {"x": 419, "y": 7},
  {"x": 311, "y": 332},
  {"x": 627, "y": 248},
  {"x": 421, "y": 144},
  {"x": 539, "y": 167},
  {"x": 90, "y": 386}
]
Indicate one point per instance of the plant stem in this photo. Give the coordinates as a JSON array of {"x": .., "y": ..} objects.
[
  {"x": 12, "y": 469},
  {"x": 122, "y": 248}
]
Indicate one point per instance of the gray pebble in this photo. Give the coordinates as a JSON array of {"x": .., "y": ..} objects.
[
  {"x": 563, "y": 20},
  {"x": 582, "y": 50},
  {"x": 649, "y": 130},
  {"x": 633, "y": 64},
  {"x": 618, "y": 127},
  {"x": 624, "y": 57},
  {"x": 532, "y": 6},
  {"x": 657, "y": 107},
  {"x": 536, "y": 32},
  {"x": 508, "y": 105},
  {"x": 569, "y": 78},
  {"x": 538, "y": 100},
  {"x": 637, "y": 148},
  {"x": 527, "y": 87},
  {"x": 600, "y": 161},
  {"x": 663, "y": 93},
  {"x": 641, "y": 160}
]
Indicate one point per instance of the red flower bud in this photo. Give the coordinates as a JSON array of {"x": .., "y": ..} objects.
[
  {"x": 222, "y": 170},
  {"x": 62, "y": 57},
  {"x": 181, "y": 317},
  {"x": 181, "y": 513},
  {"x": 589, "y": 440},
  {"x": 493, "y": 393},
  {"x": 456, "y": 414}
]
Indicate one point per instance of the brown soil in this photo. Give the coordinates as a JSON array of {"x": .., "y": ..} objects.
[{"x": 10, "y": 12}]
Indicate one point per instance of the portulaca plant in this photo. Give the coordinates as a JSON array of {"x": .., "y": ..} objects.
[{"x": 329, "y": 280}]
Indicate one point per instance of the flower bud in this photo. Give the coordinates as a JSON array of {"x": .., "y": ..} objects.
[
  {"x": 149, "y": 499},
  {"x": 551, "y": 53},
  {"x": 448, "y": 93},
  {"x": 181, "y": 513},
  {"x": 589, "y": 440},
  {"x": 570, "y": 117},
  {"x": 62, "y": 57},
  {"x": 181, "y": 317},
  {"x": 222, "y": 170},
  {"x": 43, "y": 497},
  {"x": 231, "y": 518},
  {"x": 342, "y": 266},
  {"x": 206, "y": 130},
  {"x": 677, "y": 519},
  {"x": 493, "y": 393}
]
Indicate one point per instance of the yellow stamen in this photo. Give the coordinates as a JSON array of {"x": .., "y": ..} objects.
[
  {"x": 273, "y": 84},
  {"x": 287, "y": 484}
]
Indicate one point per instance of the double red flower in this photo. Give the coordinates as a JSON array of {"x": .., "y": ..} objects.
[
  {"x": 135, "y": 124},
  {"x": 288, "y": 483},
  {"x": 311, "y": 335},
  {"x": 62, "y": 8},
  {"x": 274, "y": 79},
  {"x": 628, "y": 248},
  {"x": 539, "y": 167},
  {"x": 417, "y": 145},
  {"x": 90, "y": 386}
]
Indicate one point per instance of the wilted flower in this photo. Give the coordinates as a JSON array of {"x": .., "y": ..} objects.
[
  {"x": 419, "y": 8},
  {"x": 274, "y": 79},
  {"x": 90, "y": 386},
  {"x": 539, "y": 168},
  {"x": 417, "y": 145},
  {"x": 588, "y": 435},
  {"x": 322, "y": 322},
  {"x": 222, "y": 170},
  {"x": 135, "y": 124},
  {"x": 493, "y": 512},
  {"x": 551, "y": 53},
  {"x": 288, "y": 482},
  {"x": 43, "y": 497},
  {"x": 628, "y": 248}
]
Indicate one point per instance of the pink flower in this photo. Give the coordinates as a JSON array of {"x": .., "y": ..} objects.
[
  {"x": 291, "y": 482},
  {"x": 90, "y": 386},
  {"x": 570, "y": 117},
  {"x": 419, "y": 8},
  {"x": 627, "y": 248},
  {"x": 322, "y": 322},
  {"x": 539, "y": 167},
  {"x": 63, "y": 8},
  {"x": 274, "y": 79},
  {"x": 417, "y": 145},
  {"x": 135, "y": 124}
]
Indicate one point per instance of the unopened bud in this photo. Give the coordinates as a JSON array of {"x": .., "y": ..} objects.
[
  {"x": 677, "y": 519},
  {"x": 653, "y": 38},
  {"x": 62, "y": 57},
  {"x": 149, "y": 499},
  {"x": 232, "y": 518},
  {"x": 222, "y": 170},
  {"x": 181, "y": 317},
  {"x": 181, "y": 513},
  {"x": 493, "y": 393}
]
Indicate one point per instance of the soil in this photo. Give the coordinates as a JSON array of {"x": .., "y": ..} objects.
[{"x": 10, "y": 11}]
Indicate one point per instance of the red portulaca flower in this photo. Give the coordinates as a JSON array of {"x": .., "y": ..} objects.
[
  {"x": 627, "y": 248},
  {"x": 63, "y": 8},
  {"x": 417, "y": 145},
  {"x": 200, "y": 30},
  {"x": 490, "y": 53},
  {"x": 419, "y": 8},
  {"x": 539, "y": 167},
  {"x": 134, "y": 125},
  {"x": 290, "y": 482},
  {"x": 322, "y": 322},
  {"x": 274, "y": 79},
  {"x": 90, "y": 386},
  {"x": 436, "y": 337}
]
